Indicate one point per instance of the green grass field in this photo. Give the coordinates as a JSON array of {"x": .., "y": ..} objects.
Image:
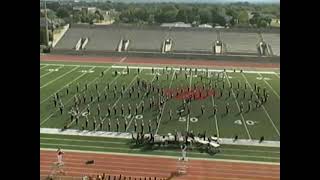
[
  {"x": 118, "y": 145},
  {"x": 263, "y": 121}
]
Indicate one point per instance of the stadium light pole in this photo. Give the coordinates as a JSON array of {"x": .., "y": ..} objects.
[{"x": 46, "y": 19}]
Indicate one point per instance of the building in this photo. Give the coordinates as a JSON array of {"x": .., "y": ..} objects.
[
  {"x": 176, "y": 24},
  {"x": 205, "y": 26},
  {"x": 87, "y": 10}
]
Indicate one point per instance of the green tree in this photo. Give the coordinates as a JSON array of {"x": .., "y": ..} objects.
[
  {"x": 182, "y": 16},
  {"x": 262, "y": 23},
  {"x": 205, "y": 16},
  {"x": 218, "y": 19},
  {"x": 243, "y": 17},
  {"x": 62, "y": 12}
]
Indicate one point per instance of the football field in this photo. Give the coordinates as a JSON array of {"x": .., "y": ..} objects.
[{"x": 192, "y": 99}]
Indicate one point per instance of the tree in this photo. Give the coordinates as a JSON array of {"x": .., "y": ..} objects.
[
  {"x": 76, "y": 17},
  {"x": 217, "y": 19},
  {"x": 262, "y": 23},
  {"x": 62, "y": 13},
  {"x": 182, "y": 16},
  {"x": 243, "y": 17},
  {"x": 151, "y": 19},
  {"x": 205, "y": 16}
]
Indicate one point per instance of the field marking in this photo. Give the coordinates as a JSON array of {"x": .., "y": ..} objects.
[
  {"x": 122, "y": 59},
  {"x": 45, "y": 65},
  {"x": 59, "y": 77},
  {"x": 154, "y": 77},
  {"x": 215, "y": 118},
  {"x": 262, "y": 107},
  {"x": 164, "y": 105},
  {"x": 42, "y": 122},
  {"x": 188, "y": 118},
  {"x": 270, "y": 86},
  {"x": 161, "y": 151},
  {"x": 276, "y": 74},
  {"x": 160, "y": 68},
  {"x": 160, "y": 156},
  {"x": 124, "y": 143},
  {"x": 44, "y": 75},
  {"x": 234, "y": 96},
  {"x": 97, "y": 98},
  {"x": 74, "y": 81}
]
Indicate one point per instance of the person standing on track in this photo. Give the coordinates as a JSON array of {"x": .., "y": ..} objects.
[{"x": 60, "y": 156}]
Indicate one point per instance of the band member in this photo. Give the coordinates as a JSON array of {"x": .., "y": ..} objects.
[{"x": 60, "y": 156}]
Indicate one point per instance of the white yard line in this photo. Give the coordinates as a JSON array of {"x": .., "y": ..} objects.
[
  {"x": 132, "y": 81},
  {"x": 215, "y": 118},
  {"x": 188, "y": 118},
  {"x": 154, "y": 77},
  {"x": 270, "y": 86},
  {"x": 164, "y": 105},
  {"x": 263, "y": 107},
  {"x": 59, "y": 77},
  {"x": 44, "y": 66},
  {"x": 74, "y": 81},
  {"x": 97, "y": 98},
  {"x": 278, "y": 75},
  {"x": 234, "y": 96},
  {"x": 123, "y": 59},
  {"x": 42, "y": 122},
  {"x": 44, "y": 75}
]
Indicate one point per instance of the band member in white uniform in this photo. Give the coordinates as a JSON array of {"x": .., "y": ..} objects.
[
  {"x": 184, "y": 152},
  {"x": 60, "y": 156}
]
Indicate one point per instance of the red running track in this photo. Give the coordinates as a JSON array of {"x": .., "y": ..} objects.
[
  {"x": 161, "y": 61},
  {"x": 138, "y": 166}
]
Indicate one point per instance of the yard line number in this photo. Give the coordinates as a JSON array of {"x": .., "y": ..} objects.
[
  {"x": 192, "y": 119},
  {"x": 248, "y": 122}
]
